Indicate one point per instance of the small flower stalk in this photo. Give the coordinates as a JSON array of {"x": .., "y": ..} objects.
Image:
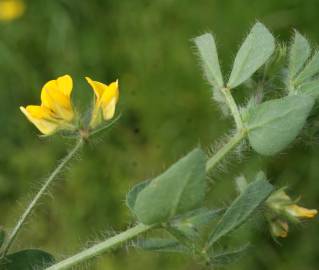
[{"x": 282, "y": 210}]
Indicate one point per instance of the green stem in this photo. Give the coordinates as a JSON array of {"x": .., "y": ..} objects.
[
  {"x": 233, "y": 142},
  {"x": 116, "y": 240},
  {"x": 38, "y": 196},
  {"x": 233, "y": 107},
  {"x": 100, "y": 248}
]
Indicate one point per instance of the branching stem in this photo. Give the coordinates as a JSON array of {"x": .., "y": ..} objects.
[
  {"x": 116, "y": 240},
  {"x": 232, "y": 143}
]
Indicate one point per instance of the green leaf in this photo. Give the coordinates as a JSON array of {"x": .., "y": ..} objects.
[
  {"x": 299, "y": 53},
  {"x": 208, "y": 54},
  {"x": 191, "y": 224},
  {"x": 199, "y": 217},
  {"x": 161, "y": 245},
  {"x": 274, "y": 124},
  {"x": 310, "y": 88},
  {"x": 310, "y": 70},
  {"x": 29, "y": 259},
  {"x": 242, "y": 208},
  {"x": 179, "y": 189},
  {"x": 2, "y": 236},
  {"x": 229, "y": 256},
  {"x": 253, "y": 53},
  {"x": 133, "y": 193}
]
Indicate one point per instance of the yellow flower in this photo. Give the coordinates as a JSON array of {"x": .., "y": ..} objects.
[
  {"x": 282, "y": 204},
  {"x": 55, "y": 111},
  {"x": 300, "y": 212},
  {"x": 282, "y": 209},
  {"x": 11, "y": 9},
  {"x": 106, "y": 98}
]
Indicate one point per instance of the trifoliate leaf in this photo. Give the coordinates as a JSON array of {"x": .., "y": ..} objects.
[
  {"x": 208, "y": 54},
  {"x": 178, "y": 190},
  {"x": 253, "y": 53},
  {"x": 274, "y": 124},
  {"x": 242, "y": 208}
]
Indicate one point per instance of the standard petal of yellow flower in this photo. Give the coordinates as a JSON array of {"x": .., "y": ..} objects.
[
  {"x": 106, "y": 98},
  {"x": 41, "y": 118},
  {"x": 65, "y": 84},
  {"x": 279, "y": 228},
  {"x": 301, "y": 212},
  {"x": 97, "y": 87},
  {"x": 56, "y": 94},
  {"x": 11, "y": 9},
  {"x": 56, "y": 111}
]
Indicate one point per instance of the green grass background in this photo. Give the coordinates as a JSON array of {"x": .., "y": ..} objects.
[{"x": 166, "y": 110}]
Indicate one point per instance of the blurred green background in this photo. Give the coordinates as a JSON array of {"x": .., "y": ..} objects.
[{"x": 166, "y": 110}]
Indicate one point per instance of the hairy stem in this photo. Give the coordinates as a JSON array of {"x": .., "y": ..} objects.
[
  {"x": 100, "y": 248},
  {"x": 116, "y": 240},
  {"x": 232, "y": 143},
  {"x": 38, "y": 196},
  {"x": 233, "y": 107}
]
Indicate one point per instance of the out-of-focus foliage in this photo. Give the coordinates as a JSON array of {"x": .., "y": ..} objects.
[{"x": 166, "y": 111}]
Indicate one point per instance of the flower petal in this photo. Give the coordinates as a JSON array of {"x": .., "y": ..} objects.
[
  {"x": 110, "y": 93},
  {"x": 41, "y": 118},
  {"x": 109, "y": 110},
  {"x": 301, "y": 212},
  {"x": 105, "y": 102},
  {"x": 97, "y": 87},
  {"x": 65, "y": 84},
  {"x": 55, "y": 95}
]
